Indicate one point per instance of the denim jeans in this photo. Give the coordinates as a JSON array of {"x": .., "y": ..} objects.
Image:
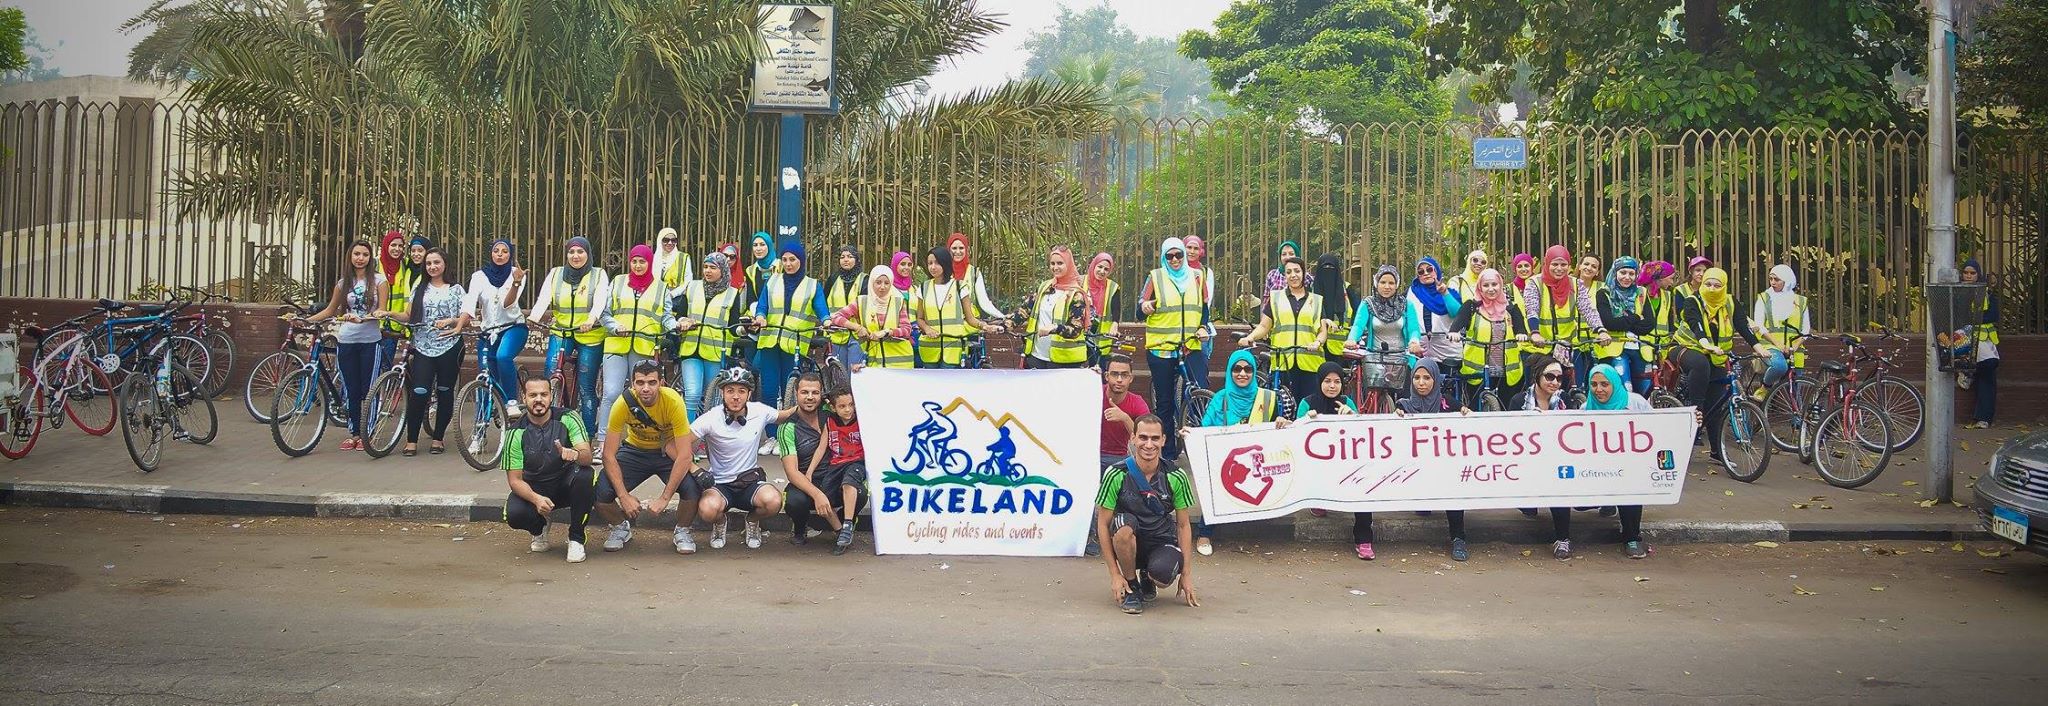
[
  {"x": 695, "y": 373},
  {"x": 1775, "y": 366},
  {"x": 1627, "y": 364},
  {"x": 503, "y": 356},
  {"x": 618, "y": 368},
  {"x": 589, "y": 358},
  {"x": 1985, "y": 386},
  {"x": 386, "y": 350},
  {"x": 358, "y": 364},
  {"x": 850, "y": 354}
]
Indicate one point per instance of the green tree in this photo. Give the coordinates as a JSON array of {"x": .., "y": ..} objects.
[
  {"x": 13, "y": 36},
  {"x": 1677, "y": 64},
  {"x": 2003, "y": 70},
  {"x": 1340, "y": 61},
  {"x": 2004, "y": 77},
  {"x": 1095, "y": 33}
]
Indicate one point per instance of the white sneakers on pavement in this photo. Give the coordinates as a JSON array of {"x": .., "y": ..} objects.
[
  {"x": 753, "y": 534},
  {"x": 718, "y": 533},
  {"x": 575, "y": 552},
  {"x": 685, "y": 544},
  {"x": 539, "y": 543}
]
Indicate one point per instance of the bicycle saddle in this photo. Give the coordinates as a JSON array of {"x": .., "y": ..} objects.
[
  {"x": 148, "y": 309},
  {"x": 1834, "y": 367},
  {"x": 112, "y": 305}
]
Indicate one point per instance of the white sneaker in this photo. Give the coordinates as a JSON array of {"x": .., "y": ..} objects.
[
  {"x": 540, "y": 542},
  {"x": 575, "y": 552},
  {"x": 685, "y": 544},
  {"x": 768, "y": 448},
  {"x": 718, "y": 533},
  {"x": 621, "y": 534},
  {"x": 513, "y": 410},
  {"x": 753, "y": 534}
]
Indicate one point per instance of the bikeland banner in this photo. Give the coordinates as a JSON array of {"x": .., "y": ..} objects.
[
  {"x": 981, "y": 461},
  {"x": 1442, "y": 462}
]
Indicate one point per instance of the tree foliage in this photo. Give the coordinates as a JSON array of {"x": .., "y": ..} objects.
[
  {"x": 13, "y": 36},
  {"x": 2003, "y": 70},
  {"x": 1677, "y": 64},
  {"x": 1095, "y": 36},
  {"x": 1337, "y": 61}
]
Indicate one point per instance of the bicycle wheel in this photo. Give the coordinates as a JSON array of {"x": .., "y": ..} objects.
[
  {"x": 1664, "y": 400},
  {"x": 836, "y": 377},
  {"x": 298, "y": 413},
  {"x": 221, "y": 350},
  {"x": 1902, "y": 405},
  {"x": 1785, "y": 409},
  {"x": 1192, "y": 408},
  {"x": 1489, "y": 401},
  {"x": 1852, "y": 444},
  {"x": 264, "y": 379},
  {"x": 1376, "y": 402},
  {"x": 21, "y": 417},
  {"x": 1575, "y": 398},
  {"x": 143, "y": 424},
  {"x": 54, "y": 352},
  {"x": 192, "y": 410},
  {"x": 479, "y": 424},
  {"x": 189, "y": 353},
  {"x": 1745, "y": 443},
  {"x": 88, "y": 398},
  {"x": 384, "y": 414}
]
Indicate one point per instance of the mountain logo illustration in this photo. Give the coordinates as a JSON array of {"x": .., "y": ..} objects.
[{"x": 1000, "y": 421}]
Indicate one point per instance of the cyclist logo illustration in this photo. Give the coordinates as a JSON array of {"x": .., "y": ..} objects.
[{"x": 932, "y": 449}]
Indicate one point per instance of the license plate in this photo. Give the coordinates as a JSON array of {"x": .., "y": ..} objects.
[{"x": 2010, "y": 524}]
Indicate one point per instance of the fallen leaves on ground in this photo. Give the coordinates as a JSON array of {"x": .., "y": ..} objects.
[
  {"x": 1992, "y": 553},
  {"x": 1909, "y": 483},
  {"x": 1798, "y": 590},
  {"x": 1767, "y": 544},
  {"x": 1877, "y": 588}
]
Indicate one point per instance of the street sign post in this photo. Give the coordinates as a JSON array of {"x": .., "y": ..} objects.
[
  {"x": 1500, "y": 153},
  {"x": 793, "y": 77}
]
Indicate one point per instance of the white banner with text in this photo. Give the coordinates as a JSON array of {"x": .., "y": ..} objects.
[
  {"x": 980, "y": 461},
  {"x": 1442, "y": 462}
]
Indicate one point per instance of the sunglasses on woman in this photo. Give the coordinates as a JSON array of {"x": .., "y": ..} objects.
[
  {"x": 1175, "y": 255},
  {"x": 1552, "y": 377},
  {"x": 1241, "y": 369}
]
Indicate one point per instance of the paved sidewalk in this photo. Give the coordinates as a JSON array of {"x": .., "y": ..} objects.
[{"x": 242, "y": 473}]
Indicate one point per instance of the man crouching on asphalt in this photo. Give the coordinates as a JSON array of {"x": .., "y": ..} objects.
[
  {"x": 648, "y": 436},
  {"x": 1143, "y": 510},
  {"x": 547, "y": 463},
  {"x": 732, "y": 434}
]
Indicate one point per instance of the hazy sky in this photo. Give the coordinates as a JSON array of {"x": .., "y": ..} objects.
[{"x": 84, "y": 38}]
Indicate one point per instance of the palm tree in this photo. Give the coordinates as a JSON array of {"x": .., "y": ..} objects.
[
  {"x": 1128, "y": 100},
  {"x": 369, "y": 114}
]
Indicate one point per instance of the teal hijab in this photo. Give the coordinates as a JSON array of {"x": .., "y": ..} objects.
[
  {"x": 1237, "y": 401},
  {"x": 1616, "y": 401}
]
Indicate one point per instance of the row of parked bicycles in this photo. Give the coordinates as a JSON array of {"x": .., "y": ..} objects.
[{"x": 1847, "y": 418}]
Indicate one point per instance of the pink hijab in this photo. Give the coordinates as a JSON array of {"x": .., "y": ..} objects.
[
  {"x": 1194, "y": 244},
  {"x": 1496, "y": 306},
  {"x": 1098, "y": 288},
  {"x": 1066, "y": 279},
  {"x": 640, "y": 282},
  {"x": 1560, "y": 287},
  {"x": 896, "y": 265},
  {"x": 1656, "y": 270}
]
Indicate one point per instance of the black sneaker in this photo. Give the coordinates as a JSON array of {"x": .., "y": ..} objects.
[
  {"x": 1458, "y": 550},
  {"x": 1146, "y": 590},
  {"x": 800, "y": 535},
  {"x": 844, "y": 540},
  {"x": 1528, "y": 512},
  {"x": 1133, "y": 604}
]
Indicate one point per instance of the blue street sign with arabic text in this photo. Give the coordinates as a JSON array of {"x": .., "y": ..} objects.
[{"x": 1500, "y": 153}]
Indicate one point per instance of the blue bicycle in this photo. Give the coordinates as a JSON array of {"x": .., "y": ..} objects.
[
  {"x": 480, "y": 420},
  {"x": 1745, "y": 446}
]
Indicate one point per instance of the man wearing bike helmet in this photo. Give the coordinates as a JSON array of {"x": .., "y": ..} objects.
[{"x": 732, "y": 435}]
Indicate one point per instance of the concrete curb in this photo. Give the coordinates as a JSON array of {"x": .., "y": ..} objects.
[{"x": 135, "y": 497}]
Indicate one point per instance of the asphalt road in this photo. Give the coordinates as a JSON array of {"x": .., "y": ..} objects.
[{"x": 107, "y": 608}]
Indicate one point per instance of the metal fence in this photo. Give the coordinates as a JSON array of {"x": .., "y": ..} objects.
[{"x": 112, "y": 199}]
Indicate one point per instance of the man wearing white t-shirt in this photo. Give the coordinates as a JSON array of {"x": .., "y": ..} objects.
[{"x": 732, "y": 435}]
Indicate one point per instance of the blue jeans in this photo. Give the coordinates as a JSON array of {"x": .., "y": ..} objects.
[
  {"x": 358, "y": 364},
  {"x": 1627, "y": 364},
  {"x": 850, "y": 354},
  {"x": 589, "y": 359},
  {"x": 774, "y": 367},
  {"x": 694, "y": 374},
  {"x": 1582, "y": 367},
  {"x": 1775, "y": 366},
  {"x": 386, "y": 350},
  {"x": 503, "y": 357}
]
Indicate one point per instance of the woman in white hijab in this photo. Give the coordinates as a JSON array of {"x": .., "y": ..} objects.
[{"x": 1781, "y": 320}]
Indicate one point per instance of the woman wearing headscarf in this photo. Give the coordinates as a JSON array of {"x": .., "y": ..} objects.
[
  {"x": 1607, "y": 390},
  {"x": 848, "y": 284},
  {"x": 761, "y": 264},
  {"x": 1467, "y": 282},
  {"x": 1426, "y": 396},
  {"x": 1696, "y": 270},
  {"x": 1328, "y": 398},
  {"x": 1489, "y": 327},
  {"x": 1198, "y": 256},
  {"x": 671, "y": 264},
  {"x": 1562, "y": 313},
  {"x": 493, "y": 297},
  {"x": 577, "y": 292},
  {"x": 1981, "y": 341},
  {"x": 1524, "y": 268},
  {"x": 1240, "y": 402},
  {"x": 1293, "y": 318},
  {"x": 1708, "y": 325},
  {"x": 971, "y": 277},
  {"x": 789, "y": 309},
  {"x": 1056, "y": 324},
  {"x": 704, "y": 309},
  {"x": 1175, "y": 313},
  {"x": 1439, "y": 306},
  {"x": 945, "y": 313},
  {"x": 634, "y": 322},
  {"x": 1105, "y": 301},
  {"x": 1781, "y": 320},
  {"x": 880, "y": 321},
  {"x": 902, "y": 265},
  {"x": 1387, "y": 320},
  {"x": 1274, "y": 278},
  {"x": 1660, "y": 281},
  {"x": 1625, "y": 307},
  {"x": 409, "y": 272},
  {"x": 1328, "y": 277}
]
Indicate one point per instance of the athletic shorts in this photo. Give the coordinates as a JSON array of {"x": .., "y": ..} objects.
[
  {"x": 638, "y": 465},
  {"x": 830, "y": 478},
  {"x": 739, "y": 494}
]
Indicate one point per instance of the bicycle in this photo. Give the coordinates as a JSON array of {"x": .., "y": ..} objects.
[
  {"x": 314, "y": 390},
  {"x": 165, "y": 406},
  {"x": 269, "y": 373},
  {"x": 117, "y": 344},
  {"x": 75, "y": 387},
  {"x": 562, "y": 382},
  {"x": 832, "y": 371},
  {"x": 1563, "y": 351},
  {"x": 219, "y": 345},
  {"x": 1276, "y": 378},
  {"x": 744, "y": 340},
  {"x": 384, "y": 406},
  {"x": 21, "y": 401},
  {"x": 1904, "y": 408},
  {"x": 1382, "y": 375},
  {"x": 480, "y": 410},
  {"x": 1744, "y": 428},
  {"x": 1194, "y": 393},
  {"x": 1493, "y": 377},
  {"x": 1839, "y": 426}
]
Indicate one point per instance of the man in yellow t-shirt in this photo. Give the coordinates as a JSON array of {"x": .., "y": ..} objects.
[{"x": 647, "y": 435}]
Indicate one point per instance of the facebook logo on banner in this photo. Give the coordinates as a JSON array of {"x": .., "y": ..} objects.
[{"x": 1567, "y": 472}]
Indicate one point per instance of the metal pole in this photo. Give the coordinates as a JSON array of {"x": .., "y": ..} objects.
[
  {"x": 789, "y": 194},
  {"x": 1941, "y": 238}
]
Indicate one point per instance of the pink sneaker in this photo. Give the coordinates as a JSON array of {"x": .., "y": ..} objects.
[
  {"x": 1365, "y": 551},
  {"x": 351, "y": 444}
]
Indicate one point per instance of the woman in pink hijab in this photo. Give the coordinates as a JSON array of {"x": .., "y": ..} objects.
[
  {"x": 1057, "y": 317},
  {"x": 634, "y": 315}
]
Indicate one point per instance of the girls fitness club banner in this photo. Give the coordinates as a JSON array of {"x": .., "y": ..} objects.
[
  {"x": 1442, "y": 462},
  {"x": 980, "y": 462}
]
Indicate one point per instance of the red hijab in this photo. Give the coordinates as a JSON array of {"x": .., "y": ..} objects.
[
  {"x": 1560, "y": 287},
  {"x": 739, "y": 274},
  {"x": 390, "y": 264},
  {"x": 641, "y": 281},
  {"x": 1098, "y": 287},
  {"x": 960, "y": 264}
]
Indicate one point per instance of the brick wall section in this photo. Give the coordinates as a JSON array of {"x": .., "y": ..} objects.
[{"x": 2022, "y": 395}]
